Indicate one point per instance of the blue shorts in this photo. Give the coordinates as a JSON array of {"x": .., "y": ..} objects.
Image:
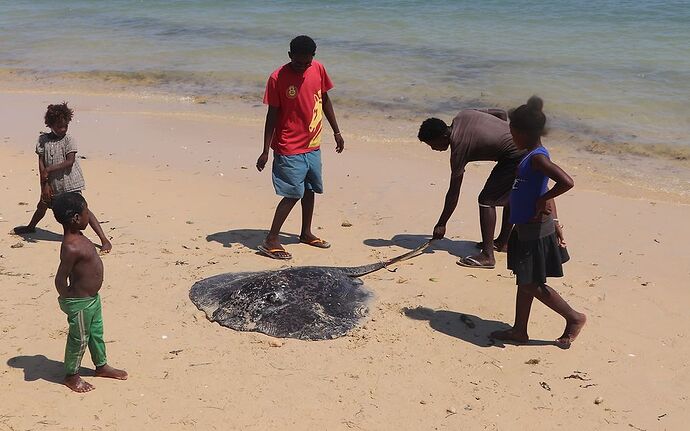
[{"x": 294, "y": 174}]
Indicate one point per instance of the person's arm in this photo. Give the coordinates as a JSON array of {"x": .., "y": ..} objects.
[
  {"x": 330, "y": 116},
  {"x": 563, "y": 182},
  {"x": 69, "y": 161},
  {"x": 559, "y": 227},
  {"x": 269, "y": 129},
  {"x": 449, "y": 206},
  {"x": 42, "y": 170},
  {"x": 46, "y": 192},
  {"x": 68, "y": 257}
]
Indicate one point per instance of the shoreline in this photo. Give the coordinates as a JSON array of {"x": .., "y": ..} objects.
[
  {"x": 602, "y": 166},
  {"x": 151, "y": 84}
]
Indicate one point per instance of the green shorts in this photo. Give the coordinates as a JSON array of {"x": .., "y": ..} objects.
[{"x": 85, "y": 329}]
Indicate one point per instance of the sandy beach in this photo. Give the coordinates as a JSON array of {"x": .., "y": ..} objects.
[{"x": 174, "y": 185}]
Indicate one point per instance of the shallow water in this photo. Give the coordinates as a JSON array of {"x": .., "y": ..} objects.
[{"x": 615, "y": 71}]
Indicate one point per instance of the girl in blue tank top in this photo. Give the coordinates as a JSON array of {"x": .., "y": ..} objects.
[
  {"x": 536, "y": 245},
  {"x": 530, "y": 184}
]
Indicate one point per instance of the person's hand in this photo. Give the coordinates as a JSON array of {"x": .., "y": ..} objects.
[
  {"x": 44, "y": 175},
  {"x": 46, "y": 193},
  {"x": 439, "y": 232},
  {"x": 559, "y": 233},
  {"x": 339, "y": 142},
  {"x": 261, "y": 161}
]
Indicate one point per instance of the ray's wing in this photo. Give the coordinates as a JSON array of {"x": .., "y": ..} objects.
[{"x": 206, "y": 294}]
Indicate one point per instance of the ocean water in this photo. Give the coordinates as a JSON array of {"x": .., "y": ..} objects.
[{"x": 609, "y": 70}]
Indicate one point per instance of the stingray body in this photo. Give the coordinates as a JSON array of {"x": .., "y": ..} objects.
[{"x": 309, "y": 302}]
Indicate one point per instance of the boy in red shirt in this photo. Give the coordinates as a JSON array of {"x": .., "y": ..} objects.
[{"x": 297, "y": 99}]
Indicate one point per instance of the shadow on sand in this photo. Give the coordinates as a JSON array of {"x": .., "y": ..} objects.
[
  {"x": 38, "y": 367},
  {"x": 466, "y": 327},
  {"x": 250, "y": 238},
  {"x": 40, "y": 235},
  {"x": 460, "y": 248}
]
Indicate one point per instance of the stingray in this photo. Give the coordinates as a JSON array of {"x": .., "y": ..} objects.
[{"x": 306, "y": 302}]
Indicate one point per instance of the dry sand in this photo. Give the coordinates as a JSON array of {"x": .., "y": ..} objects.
[{"x": 174, "y": 185}]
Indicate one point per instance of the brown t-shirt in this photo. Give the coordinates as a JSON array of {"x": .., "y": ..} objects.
[{"x": 478, "y": 136}]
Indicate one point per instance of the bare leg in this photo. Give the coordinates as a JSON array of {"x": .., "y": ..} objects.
[
  {"x": 574, "y": 320},
  {"x": 501, "y": 241},
  {"x": 110, "y": 372},
  {"x": 77, "y": 384},
  {"x": 282, "y": 211},
  {"x": 40, "y": 212},
  {"x": 307, "y": 215},
  {"x": 106, "y": 246},
  {"x": 523, "y": 306},
  {"x": 487, "y": 221},
  {"x": 549, "y": 297}
]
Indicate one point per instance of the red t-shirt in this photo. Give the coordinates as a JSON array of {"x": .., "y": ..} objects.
[{"x": 299, "y": 98}]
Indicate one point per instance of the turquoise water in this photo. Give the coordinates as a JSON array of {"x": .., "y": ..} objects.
[{"x": 612, "y": 70}]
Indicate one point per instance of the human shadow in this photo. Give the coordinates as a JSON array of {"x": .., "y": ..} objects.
[
  {"x": 40, "y": 235},
  {"x": 460, "y": 248},
  {"x": 250, "y": 238},
  {"x": 38, "y": 367},
  {"x": 467, "y": 327}
]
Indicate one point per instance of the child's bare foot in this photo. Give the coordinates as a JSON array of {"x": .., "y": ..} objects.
[
  {"x": 76, "y": 383},
  {"x": 21, "y": 230},
  {"x": 110, "y": 372},
  {"x": 510, "y": 335},
  {"x": 572, "y": 330},
  {"x": 106, "y": 247}
]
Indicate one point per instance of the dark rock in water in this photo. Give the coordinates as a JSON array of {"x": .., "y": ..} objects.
[{"x": 309, "y": 303}]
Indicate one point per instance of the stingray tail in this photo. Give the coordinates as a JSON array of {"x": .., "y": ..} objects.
[
  {"x": 358, "y": 271},
  {"x": 409, "y": 255}
]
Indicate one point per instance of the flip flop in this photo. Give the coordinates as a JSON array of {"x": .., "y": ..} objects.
[
  {"x": 274, "y": 253},
  {"x": 317, "y": 242},
  {"x": 470, "y": 262}
]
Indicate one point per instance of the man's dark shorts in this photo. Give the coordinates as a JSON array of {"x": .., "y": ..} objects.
[{"x": 496, "y": 191}]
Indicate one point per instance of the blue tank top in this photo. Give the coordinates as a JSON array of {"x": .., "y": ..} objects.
[{"x": 529, "y": 185}]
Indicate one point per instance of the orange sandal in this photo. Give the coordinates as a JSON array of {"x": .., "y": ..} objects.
[
  {"x": 317, "y": 242},
  {"x": 274, "y": 253}
]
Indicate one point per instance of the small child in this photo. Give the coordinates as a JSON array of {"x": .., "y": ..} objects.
[
  {"x": 78, "y": 280},
  {"x": 536, "y": 248},
  {"x": 59, "y": 169}
]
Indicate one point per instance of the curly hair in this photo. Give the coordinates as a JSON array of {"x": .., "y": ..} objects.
[
  {"x": 59, "y": 112},
  {"x": 66, "y": 205},
  {"x": 431, "y": 128}
]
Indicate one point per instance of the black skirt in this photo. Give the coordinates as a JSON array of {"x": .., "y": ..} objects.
[{"x": 534, "y": 253}]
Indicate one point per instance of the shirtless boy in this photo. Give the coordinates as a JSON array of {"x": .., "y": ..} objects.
[{"x": 78, "y": 280}]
